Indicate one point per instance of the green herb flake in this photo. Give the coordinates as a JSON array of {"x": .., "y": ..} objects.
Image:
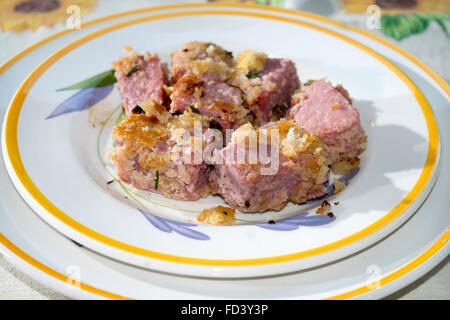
[
  {"x": 253, "y": 75},
  {"x": 194, "y": 109},
  {"x": 118, "y": 121},
  {"x": 156, "y": 179},
  {"x": 135, "y": 69},
  {"x": 120, "y": 117},
  {"x": 109, "y": 182}
]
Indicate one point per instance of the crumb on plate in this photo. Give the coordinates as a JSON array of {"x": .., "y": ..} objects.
[
  {"x": 325, "y": 208},
  {"x": 338, "y": 186},
  {"x": 217, "y": 215},
  {"x": 345, "y": 165}
]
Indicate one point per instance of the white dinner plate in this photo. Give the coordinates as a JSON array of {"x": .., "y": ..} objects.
[
  {"x": 386, "y": 239},
  {"x": 55, "y": 153}
]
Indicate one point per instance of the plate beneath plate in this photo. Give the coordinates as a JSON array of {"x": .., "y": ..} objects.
[{"x": 55, "y": 165}]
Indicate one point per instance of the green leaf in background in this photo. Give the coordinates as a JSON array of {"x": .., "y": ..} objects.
[
  {"x": 401, "y": 26},
  {"x": 274, "y": 3},
  {"x": 100, "y": 80},
  {"x": 439, "y": 18}
]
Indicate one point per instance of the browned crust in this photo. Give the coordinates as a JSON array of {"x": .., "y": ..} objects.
[{"x": 189, "y": 85}]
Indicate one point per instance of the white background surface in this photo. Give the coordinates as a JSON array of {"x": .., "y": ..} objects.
[{"x": 432, "y": 47}]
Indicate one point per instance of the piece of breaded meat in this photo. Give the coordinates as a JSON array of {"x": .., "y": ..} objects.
[
  {"x": 206, "y": 60},
  {"x": 268, "y": 84},
  {"x": 151, "y": 153},
  {"x": 327, "y": 112},
  {"x": 295, "y": 170},
  {"x": 141, "y": 78},
  {"x": 217, "y": 100}
]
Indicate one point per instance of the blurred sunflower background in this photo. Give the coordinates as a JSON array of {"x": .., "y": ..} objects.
[
  {"x": 420, "y": 26},
  {"x": 397, "y": 6},
  {"x": 403, "y": 18},
  {"x": 399, "y": 18}
]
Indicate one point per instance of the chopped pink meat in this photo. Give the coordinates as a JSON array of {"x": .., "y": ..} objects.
[
  {"x": 141, "y": 78},
  {"x": 269, "y": 92},
  {"x": 217, "y": 100},
  {"x": 206, "y": 60},
  {"x": 151, "y": 155},
  {"x": 327, "y": 112},
  {"x": 297, "y": 172}
]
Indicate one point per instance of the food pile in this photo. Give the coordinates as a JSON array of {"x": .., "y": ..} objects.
[{"x": 243, "y": 128}]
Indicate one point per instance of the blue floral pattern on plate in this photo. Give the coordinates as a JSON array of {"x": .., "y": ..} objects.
[
  {"x": 96, "y": 88},
  {"x": 293, "y": 223},
  {"x": 81, "y": 100},
  {"x": 289, "y": 224},
  {"x": 181, "y": 228}
]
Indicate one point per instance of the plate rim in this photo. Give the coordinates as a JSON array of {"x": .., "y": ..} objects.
[
  {"x": 16, "y": 168},
  {"x": 442, "y": 84},
  {"x": 407, "y": 268}
]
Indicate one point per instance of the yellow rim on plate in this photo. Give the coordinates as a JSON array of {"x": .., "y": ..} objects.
[
  {"x": 444, "y": 85},
  {"x": 432, "y": 250},
  {"x": 12, "y": 148},
  {"x": 55, "y": 274}
]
